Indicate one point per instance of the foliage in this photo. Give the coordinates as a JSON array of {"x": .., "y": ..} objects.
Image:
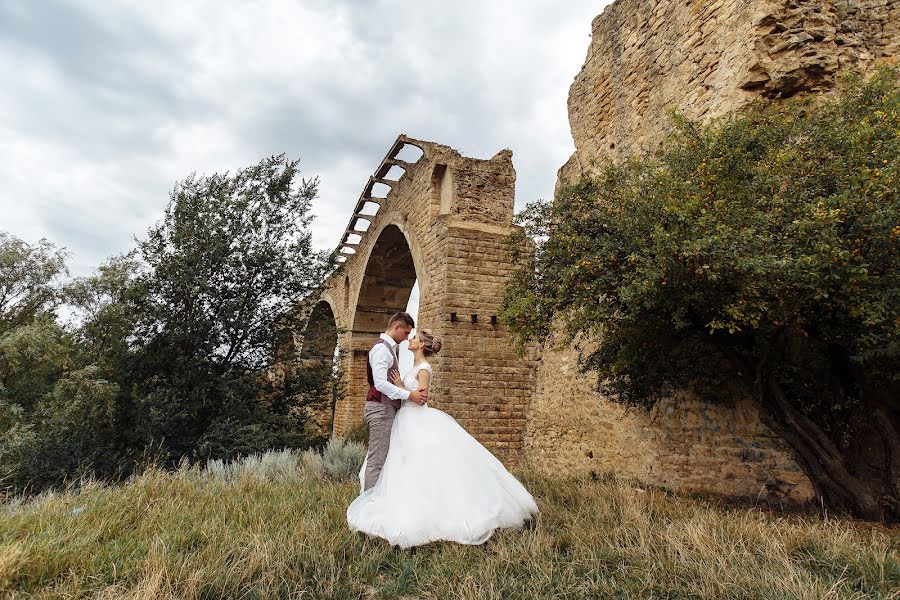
[
  {"x": 28, "y": 280},
  {"x": 228, "y": 262},
  {"x": 268, "y": 529},
  {"x": 167, "y": 349},
  {"x": 342, "y": 459},
  {"x": 761, "y": 249},
  {"x": 58, "y": 405},
  {"x": 105, "y": 311},
  {"x": 75, "y": 429},
  {"x": 35, "y": 353},
  {"x": 273, "y": 465},
  {"x": 358, "y": 433},
  {"x": 32, "y": 346},
  {"x": 231, "y": 257},
  {"x": 33, "y": 356},
  {"x": 16, "y": 438}
]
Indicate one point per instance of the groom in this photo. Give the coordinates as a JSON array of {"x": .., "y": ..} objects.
[{"x": 383, "y": 399}]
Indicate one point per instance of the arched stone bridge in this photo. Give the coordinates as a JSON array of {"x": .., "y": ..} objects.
[{"x": 445, "y": 220}]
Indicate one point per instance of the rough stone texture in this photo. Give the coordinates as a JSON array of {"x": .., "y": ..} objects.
[
  {"x": 446, "y": 222},
  {"x": 708, "y": 58},
  {"x": 703, "y": 59},
  {"x": 683, "y": 444}
]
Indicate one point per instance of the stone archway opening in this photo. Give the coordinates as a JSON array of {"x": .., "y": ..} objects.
[
  {"x": 317, "y": 378},
  {"x": 388, "y": 281},
  {"x": 386, "y": 287},
  {"x": 320, "y": 336}
]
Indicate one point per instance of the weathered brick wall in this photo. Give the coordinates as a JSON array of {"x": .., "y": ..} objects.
[{"x": 446, "y": 221}]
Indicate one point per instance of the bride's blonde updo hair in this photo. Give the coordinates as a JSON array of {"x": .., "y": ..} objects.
[{"x": 431, "y": 344}]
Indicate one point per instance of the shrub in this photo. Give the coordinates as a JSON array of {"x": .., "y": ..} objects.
[
  {"x": 274, "y": 465},
  {"x": 311, "y": 462},
  {"x": 342, "y": 458},
  {"x": 358, "y": 433},
  {"x": 759, "y": 251}
]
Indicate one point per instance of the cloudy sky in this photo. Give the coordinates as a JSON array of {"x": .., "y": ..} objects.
[{"x": 105, "y": 105}]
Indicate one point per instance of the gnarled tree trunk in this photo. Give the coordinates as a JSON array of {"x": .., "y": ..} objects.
[
  {"x": 865, "y": 484},
  {"x": 862, "y": 479}
]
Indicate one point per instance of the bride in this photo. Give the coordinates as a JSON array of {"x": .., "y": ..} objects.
[{"x": 438, "y": 482}]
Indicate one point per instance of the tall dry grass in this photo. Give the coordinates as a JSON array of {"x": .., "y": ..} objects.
[{"x": 274, "y": 527}]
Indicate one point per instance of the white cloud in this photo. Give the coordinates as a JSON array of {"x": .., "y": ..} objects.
[{"x": 106, "y": 105}]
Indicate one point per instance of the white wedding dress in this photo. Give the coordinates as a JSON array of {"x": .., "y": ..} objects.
[{"x": 437, "y": 483}]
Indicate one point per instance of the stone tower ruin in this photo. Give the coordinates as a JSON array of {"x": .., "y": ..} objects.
[{"x": 445, "y": 220}]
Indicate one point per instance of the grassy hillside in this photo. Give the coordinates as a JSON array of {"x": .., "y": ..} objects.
[{"x": 274, "y": 527}]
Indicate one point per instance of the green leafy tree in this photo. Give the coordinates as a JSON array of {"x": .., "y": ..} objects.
[
  {"x": 229, "y": 260},
  {"x": 759, "y": 252},
  {"x": 168, "y": 348},
  {"x": 105, "y": 312},
  {"x": 33, "y": 347},
  {"x": 16, "y": 438},
  {"x": 52, "y": 401},
  {"x": 75, "y": 431},
  {"x": 29, "y": 279}
]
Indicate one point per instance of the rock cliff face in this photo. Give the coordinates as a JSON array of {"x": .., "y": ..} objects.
[
  {"x": 703, "y": 59},
  {"x": 708, "y": 58}
]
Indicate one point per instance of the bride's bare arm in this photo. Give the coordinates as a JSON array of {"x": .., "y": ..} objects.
[{"x": 424, "y": 377}]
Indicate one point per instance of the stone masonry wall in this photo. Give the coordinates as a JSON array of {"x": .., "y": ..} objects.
[
  {"x": 486, "y": 386},
  {"x": 683, "y": 445},
  {"x": 445, "y": 221},
  {"x": 703, "y": 59}
]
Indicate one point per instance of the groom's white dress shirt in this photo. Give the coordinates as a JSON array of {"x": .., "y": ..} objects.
[{"x": 381, "y": 358}]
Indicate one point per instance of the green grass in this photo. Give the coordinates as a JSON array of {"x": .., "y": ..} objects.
[{"x": 282, "y": 533}]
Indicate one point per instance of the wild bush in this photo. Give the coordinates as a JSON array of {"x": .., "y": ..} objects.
[{"x": 759, "y": 252}]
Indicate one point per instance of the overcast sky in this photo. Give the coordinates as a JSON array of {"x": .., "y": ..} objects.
[{"x": 104, "y": 105}]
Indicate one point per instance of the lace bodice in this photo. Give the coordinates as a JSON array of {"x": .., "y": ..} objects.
[{"x": 411, "y": 381}]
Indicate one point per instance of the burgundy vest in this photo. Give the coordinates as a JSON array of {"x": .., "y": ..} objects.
[{"x": 374, "y": 395}]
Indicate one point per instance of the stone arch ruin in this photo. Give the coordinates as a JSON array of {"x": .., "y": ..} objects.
[
  {"x": 302, "y": 355},
  {"x": 430, "y": 214},
  {"x": 444, "y": 220}
]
